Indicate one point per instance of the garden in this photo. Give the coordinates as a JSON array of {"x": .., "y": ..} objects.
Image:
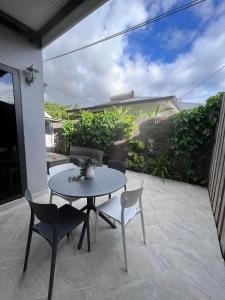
[{"x": 188, "y": 150}]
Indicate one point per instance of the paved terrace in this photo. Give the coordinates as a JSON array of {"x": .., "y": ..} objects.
[{"x": 181, "y": 261}]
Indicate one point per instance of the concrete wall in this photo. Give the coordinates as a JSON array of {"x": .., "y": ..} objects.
[
  {"x": 16, "y": 52},
  {"x": 155, "y": 133}
]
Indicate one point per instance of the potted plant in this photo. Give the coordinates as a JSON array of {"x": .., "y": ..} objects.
[{"x": 87, "y": 168}]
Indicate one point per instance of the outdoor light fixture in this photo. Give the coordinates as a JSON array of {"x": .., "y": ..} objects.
[{"x": 31, "y": 74}]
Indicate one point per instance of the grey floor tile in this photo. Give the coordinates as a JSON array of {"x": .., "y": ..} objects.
[
  {"x": 69, "y": 295},
  {"x": 181, "y": 261},
  {"x": 133, "y": 290}
]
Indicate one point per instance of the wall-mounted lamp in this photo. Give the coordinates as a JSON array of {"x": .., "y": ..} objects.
[{"x": 31, "y": 74}]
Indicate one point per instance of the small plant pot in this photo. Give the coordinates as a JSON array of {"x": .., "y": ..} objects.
[{"x": 90, "y": 173}]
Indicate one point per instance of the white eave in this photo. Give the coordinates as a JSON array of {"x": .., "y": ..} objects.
[{"x": 42, "y": 21}]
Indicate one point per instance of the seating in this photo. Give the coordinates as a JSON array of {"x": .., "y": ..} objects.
[
  {"x": 79, "y": 154},
  {"x": 55, "y": 159},
  {"x": 55, "y": 223},
  {"x": 60, "y": 168},
  {"x": 119, "y": 166},
  {"x": 123, "y": 210}
]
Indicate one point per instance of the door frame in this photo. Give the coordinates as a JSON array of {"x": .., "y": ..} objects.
[{"x": 20, "y": 130}]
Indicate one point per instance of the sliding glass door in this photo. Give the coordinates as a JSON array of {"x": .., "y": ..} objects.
[{"x": 12, "y": 156}]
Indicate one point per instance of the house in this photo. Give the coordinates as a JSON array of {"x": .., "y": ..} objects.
[
  {"x": 26, "y": 27},
  {"x": 169, "y": 105}
]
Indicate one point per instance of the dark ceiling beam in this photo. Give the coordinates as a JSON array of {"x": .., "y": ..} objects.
[
  {"x": 64, "y": 12},
  {"x": 20, "y": 28}
]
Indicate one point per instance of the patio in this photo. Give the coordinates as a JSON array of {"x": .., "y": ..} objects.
[{"x": 182, "y": 258}]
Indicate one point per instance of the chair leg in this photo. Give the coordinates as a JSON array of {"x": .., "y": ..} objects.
[
  {"x": 52, "y": 272},
  {"x": 51, "y": 195},
  {"x": 125, "y": 188},
  {"x": 110, "y": 196},
  {"x": 143, "y": 227},
  {"x": 88, "y": 236},
  {"x": 28, "y": 248},
  {"x": 124, "y": 246},
  {"x": 96, "y": 224},
  {"x": 82, "y": 236}
]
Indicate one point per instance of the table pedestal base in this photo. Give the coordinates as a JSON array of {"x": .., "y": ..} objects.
[{"x": 90, "y": 206}]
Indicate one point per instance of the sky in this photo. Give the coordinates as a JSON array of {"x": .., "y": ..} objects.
[
  {"x": 6, "y": 89},
  {"x": 168, "y": 57}
]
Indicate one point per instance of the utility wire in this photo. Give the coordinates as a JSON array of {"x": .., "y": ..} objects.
[
  {"x": 56, "y": 89},
  {"x": 203, "y": 81},
  {"x": 149, "y": 21}
]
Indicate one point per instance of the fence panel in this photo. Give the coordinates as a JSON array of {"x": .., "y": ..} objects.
[{"x": 216, "y": 185}]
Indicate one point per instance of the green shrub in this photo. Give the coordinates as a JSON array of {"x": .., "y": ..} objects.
[
  {"x": 192, "y": 140},
  {"x": 161, "y": 166},
  {"x": 57, "y": 111},
  {"x": 100, "y": 130},
  {"x": 68, "y": 129},
  {"x": 136, "y": 158}
]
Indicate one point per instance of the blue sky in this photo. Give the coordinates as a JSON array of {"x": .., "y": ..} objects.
[
  {"x": 150, "y": 42},
  {"x": 167, "y": 57}
]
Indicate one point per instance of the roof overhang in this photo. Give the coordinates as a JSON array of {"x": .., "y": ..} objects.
[
  {"x": 57, "y": 19},
  {"x": 130, "y": 102}
]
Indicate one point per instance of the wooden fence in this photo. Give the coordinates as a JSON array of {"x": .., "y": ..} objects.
[{"x": 217, "y": 178}]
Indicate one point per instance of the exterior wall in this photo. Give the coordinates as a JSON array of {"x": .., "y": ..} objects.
[
  {"x": 146, "y": 107},
  {"x": 150, "y": 107},
  {"x": 16, "y": 52}
]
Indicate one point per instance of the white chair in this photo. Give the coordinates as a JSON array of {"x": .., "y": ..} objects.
[
  {"x": 123, "y": 210},
  {"x": 57, "y": 169}
]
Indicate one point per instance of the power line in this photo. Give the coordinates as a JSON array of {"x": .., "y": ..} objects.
[
  {"x": 149, "y": 21},
  {"x": 203, "y": 81},
  {"x": 56, "y": 89}
]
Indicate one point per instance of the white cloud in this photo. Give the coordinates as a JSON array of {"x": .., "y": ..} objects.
[
  {"x": 92, "y": 75},
  {"x": 175, "y": 38}
]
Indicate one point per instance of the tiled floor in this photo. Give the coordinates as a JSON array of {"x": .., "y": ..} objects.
[{"x": 181, "y": 260}]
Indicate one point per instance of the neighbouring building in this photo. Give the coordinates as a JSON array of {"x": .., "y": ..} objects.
[{"x": 169, "y": 105}]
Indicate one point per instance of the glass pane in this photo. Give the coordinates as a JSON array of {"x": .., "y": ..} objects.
[{"x": 10, "y": 183}]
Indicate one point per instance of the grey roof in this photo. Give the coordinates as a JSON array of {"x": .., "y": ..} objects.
[
  {"x": 42, "y": 21},
  {"x": 135, "y": 100},
  {"x": 187, "y": 105}
]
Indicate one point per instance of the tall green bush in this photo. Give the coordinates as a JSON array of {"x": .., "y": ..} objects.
[
  {"x": 192, "y": 140},
  {"x": 99, "y": 130},
  {"x": 136, "y": 156}
]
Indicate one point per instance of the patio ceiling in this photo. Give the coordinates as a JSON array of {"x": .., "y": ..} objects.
[{"x": 42, "y": 21}]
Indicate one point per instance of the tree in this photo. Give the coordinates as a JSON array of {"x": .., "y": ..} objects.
[{"x": 57, "y": 111}]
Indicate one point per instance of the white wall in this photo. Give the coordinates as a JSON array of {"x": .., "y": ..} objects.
[{"x": 16, "y": 52}]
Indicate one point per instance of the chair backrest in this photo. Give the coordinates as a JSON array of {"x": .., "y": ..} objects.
[
  {"x": 61, "y": 168},
  {"x": 46, "y": 213},
  {"x": 117, "y": 165},
  {"x": 130, "y": 198}
]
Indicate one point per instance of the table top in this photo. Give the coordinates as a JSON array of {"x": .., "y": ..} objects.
[{"x": 105, "y": 181}]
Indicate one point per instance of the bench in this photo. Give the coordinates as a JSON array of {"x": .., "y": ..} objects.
[{"x": 79, "y": 154}]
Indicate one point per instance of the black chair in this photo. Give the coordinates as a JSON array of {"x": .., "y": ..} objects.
[
  {"x": 55, "y": 223},
  {"x": 119, "y": 166}
]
